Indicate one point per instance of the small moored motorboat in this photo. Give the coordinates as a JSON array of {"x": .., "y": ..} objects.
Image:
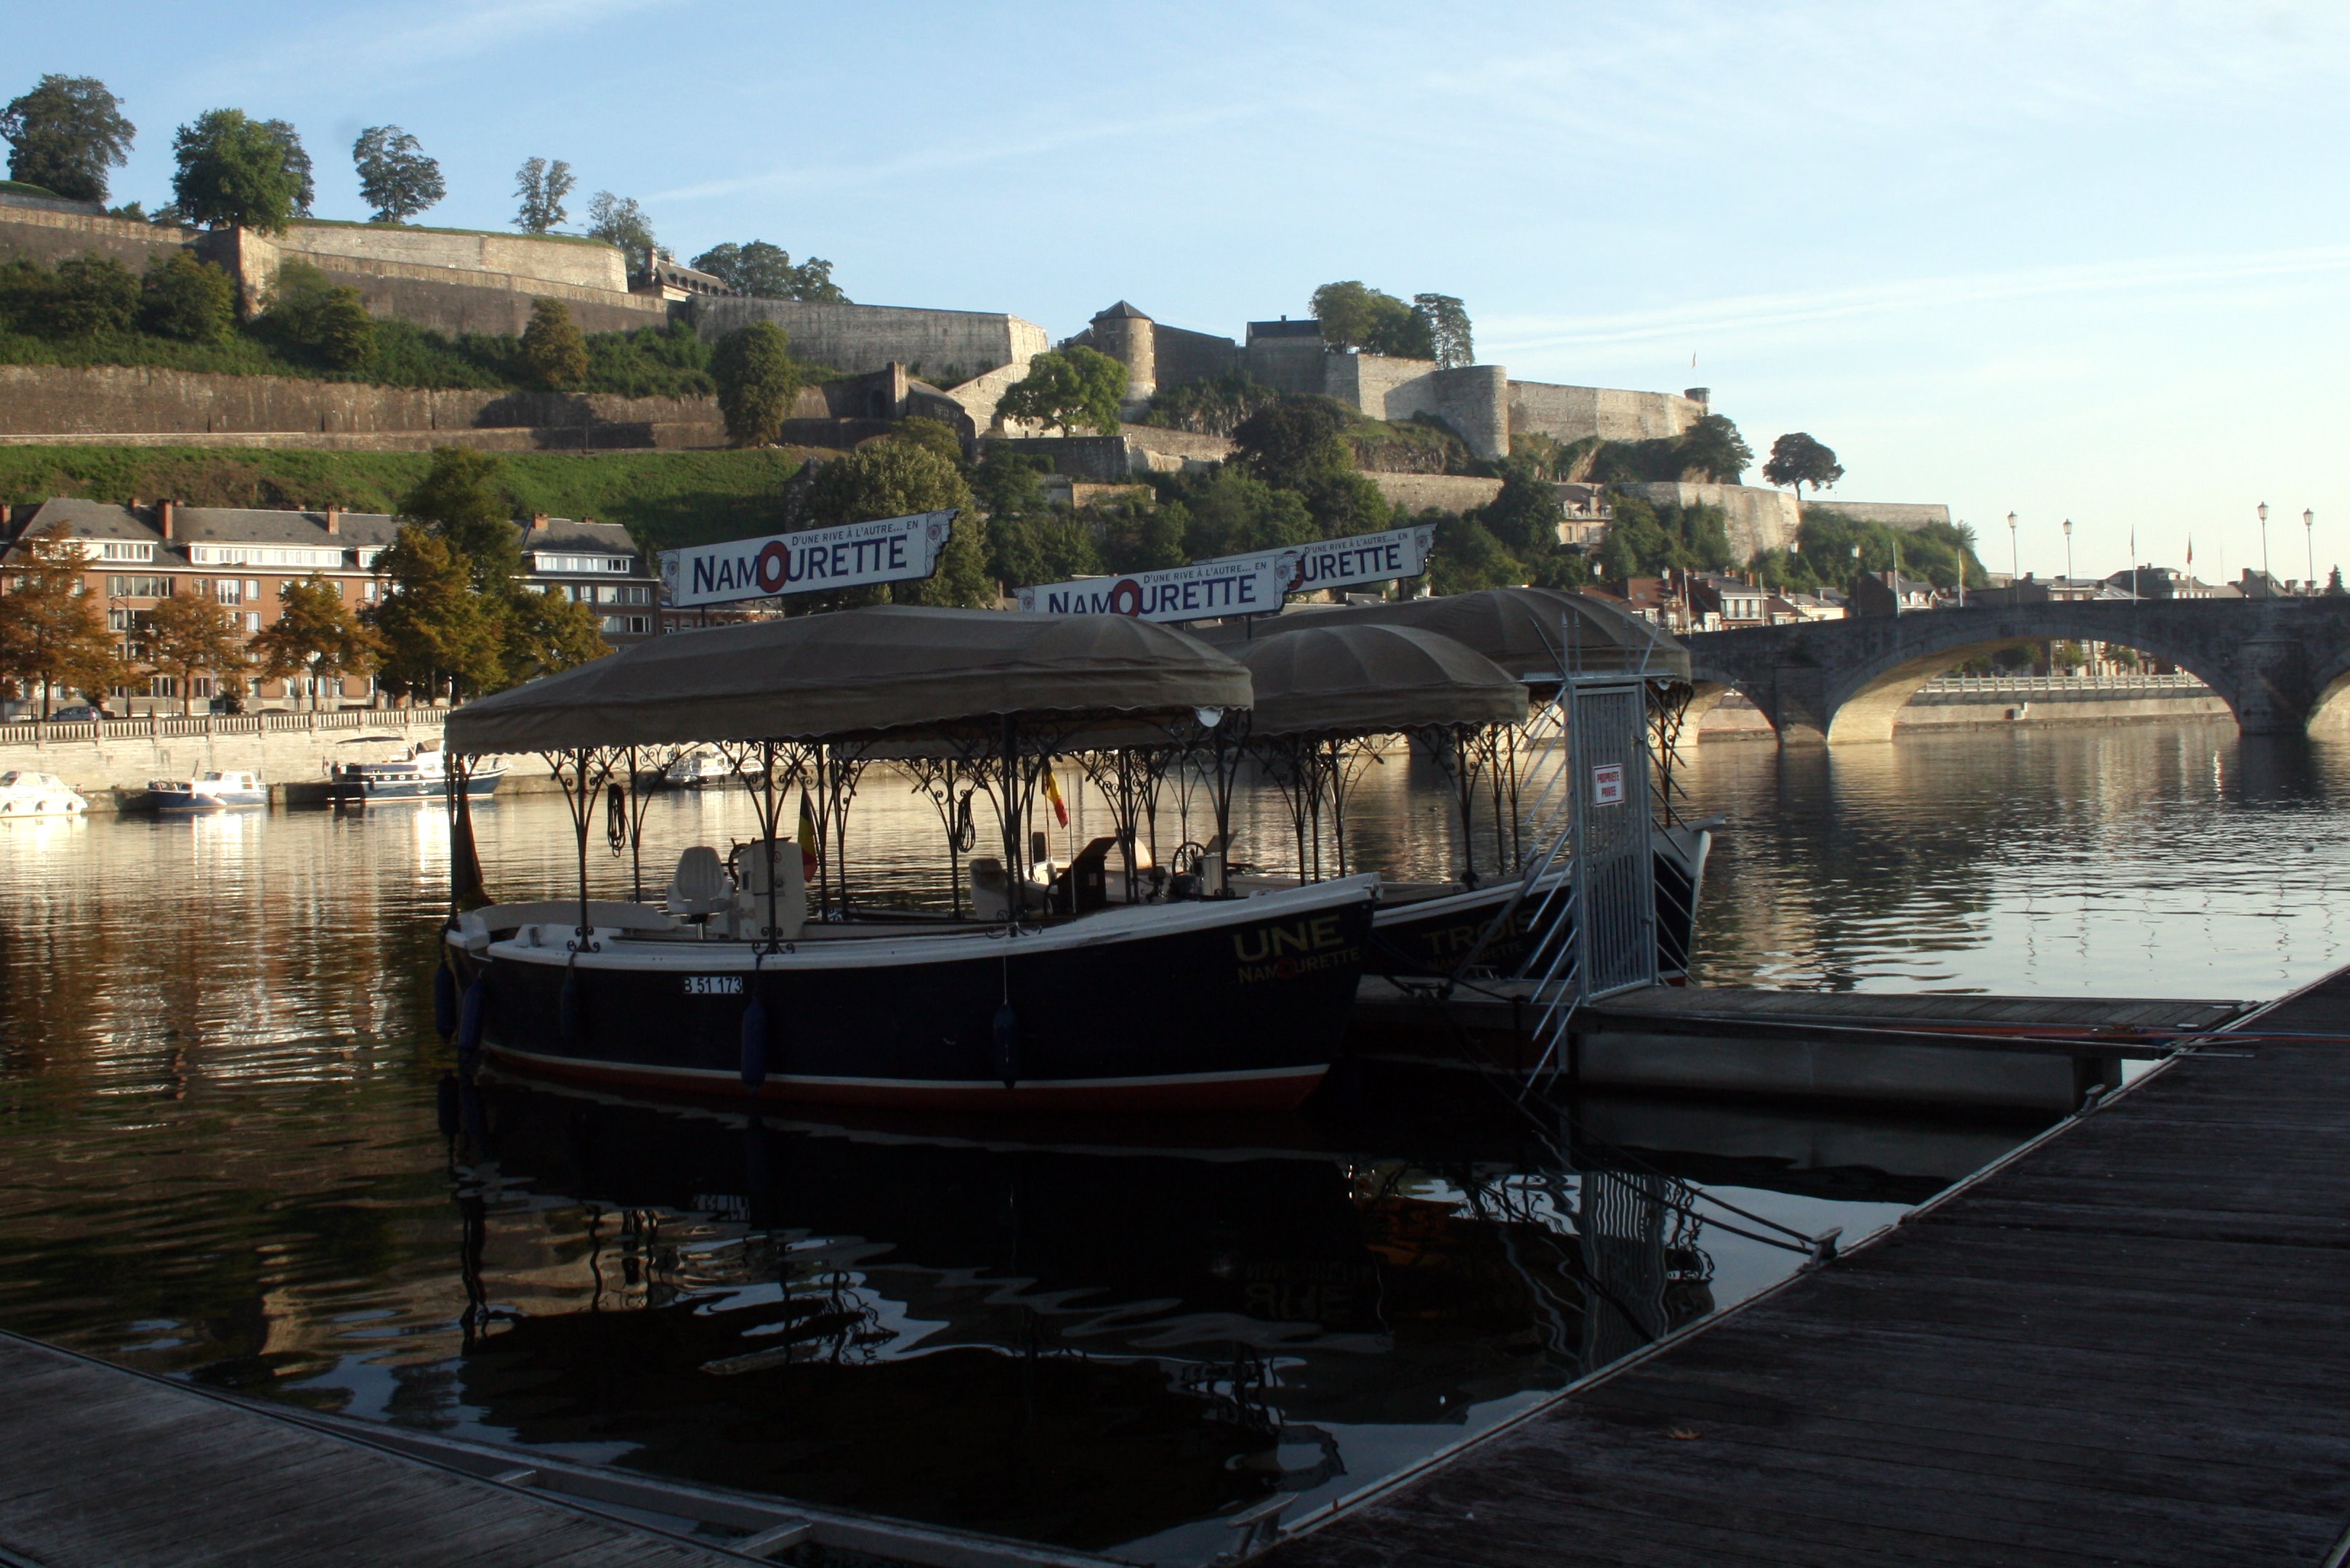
[
  {"x": 706, "y": 767},
  {"x": 23, "y": 793},
  {"x": 208, "y": 790},
  {"x": 420, "y": 775}
]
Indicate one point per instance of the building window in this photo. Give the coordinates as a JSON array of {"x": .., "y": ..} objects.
[
  {"x": 543, "y": 562},
  {"x": 125, "y": 550},
  {"x": 252, "y": 588},
  {"x": 628, "y": 624},
  {"x": 253, "y": 620},
  {"x": 264, "y": 556},
  {"x": 228, "y": 591},
  {"x": 139, "y": 588}
]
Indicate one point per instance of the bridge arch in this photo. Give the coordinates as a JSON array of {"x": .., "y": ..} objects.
[
  {"x": 2329, "y": 712},
  {"x": 1864, "y": 704}
]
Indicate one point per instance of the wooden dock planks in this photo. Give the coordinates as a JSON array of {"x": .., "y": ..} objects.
[
  {"x": 2125, "y": 1347},
  {"x": 104, "y": 1469}
]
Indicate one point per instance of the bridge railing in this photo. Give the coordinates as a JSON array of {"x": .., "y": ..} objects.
[
  {"x": 2050, "y": 685},
  {"x": 168, "y": 726}
]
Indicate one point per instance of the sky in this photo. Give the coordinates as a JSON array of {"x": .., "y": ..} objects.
[{"x": 2065, "y": 260}]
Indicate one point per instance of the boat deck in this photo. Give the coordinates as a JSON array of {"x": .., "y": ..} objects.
[{"x": 2123, "y": 1344}]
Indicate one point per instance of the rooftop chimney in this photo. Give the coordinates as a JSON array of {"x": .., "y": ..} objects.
[
  {"x": 166, "y": 516},
  {"x": 334, "y": 520},
  {"x": 538, "y": 522}
]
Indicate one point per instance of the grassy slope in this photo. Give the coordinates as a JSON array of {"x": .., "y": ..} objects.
[{"x": 665, "y": 498}]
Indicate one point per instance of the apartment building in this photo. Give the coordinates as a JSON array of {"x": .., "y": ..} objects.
[{"x": 242, "y": 558}]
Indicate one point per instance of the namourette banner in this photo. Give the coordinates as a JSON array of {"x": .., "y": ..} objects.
[
  {"x": 1253, "y": 583},
  {"x": 886, "y": 550},
  {"x": 1200, "y": 591},
  {"x": 1349, "y": 563}
]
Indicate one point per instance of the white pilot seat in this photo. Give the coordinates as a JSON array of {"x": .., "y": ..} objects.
[
  {"x": 756, "y": 917},
  {"x": 989, "y": 899},
  {"x": 700, "y": 887}
]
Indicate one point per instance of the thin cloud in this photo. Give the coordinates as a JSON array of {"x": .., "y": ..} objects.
[{"x": 1764, "y": 312}]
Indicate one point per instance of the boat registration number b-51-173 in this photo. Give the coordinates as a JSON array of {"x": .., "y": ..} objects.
[{"x": 713, "y": 985}]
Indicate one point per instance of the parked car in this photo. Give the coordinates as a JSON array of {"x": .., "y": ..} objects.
[{"x": 78, "y": 713}]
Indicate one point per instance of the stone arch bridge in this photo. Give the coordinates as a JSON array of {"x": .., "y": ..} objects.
[{"x": 2282, "y": 666}]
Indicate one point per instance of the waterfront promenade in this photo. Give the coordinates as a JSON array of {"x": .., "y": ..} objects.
[{"x": 2121, "y": 1345}]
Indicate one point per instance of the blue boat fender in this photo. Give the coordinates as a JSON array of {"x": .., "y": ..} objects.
[
  {"x": 1007, "y": 1045},
  {"x": 469, "y": 1017},
  {"x": 445, "y": 998},
  {"x": 755, "y": 1044}
]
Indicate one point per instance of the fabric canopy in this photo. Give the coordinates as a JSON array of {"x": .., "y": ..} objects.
[
  {"x": 1535, "y": 634},
  {"x": 1373, "y": 679},
  {"x": 897, "y": 668}
]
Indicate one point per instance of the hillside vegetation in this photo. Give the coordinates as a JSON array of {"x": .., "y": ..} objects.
[{"x": 664, "y": 498}]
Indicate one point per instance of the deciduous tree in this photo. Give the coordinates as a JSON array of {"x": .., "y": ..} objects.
[
  {"x": 437, "y": 631},
  {"x": 1446, "y": 322},
  {"x": 52, "y": 633},
  {"x": 553, "y": 350},
  {"x": 617, "y": 220},
  {"x": 542, "y": 186},
  {"x": 895, "y": 478},
  {"x": 190, "y": 635},
  {"x": 766, "y": 272},
  {"x": 542, "y": 633},
  {"x": 463, "y": 500},
  {"x": 233, "y": 170},
  {"x": 1355, "y": 316},
  {"x": 1714, "y": 449},
  {"x": 1797, "y": 460},
  {"x": 93, "y": 294},
  {"x": 64, "y": 134},
  {"x": 396, "y": 178},
  {"x": 315, "y": 634},
  {"x": 1294, "y": 440},
  {"x": 187, "y": 299},
  {"x": 327, "y": 321},
  {"x": 757, "y": 381},
  {"x": 1068, "y": 389}
]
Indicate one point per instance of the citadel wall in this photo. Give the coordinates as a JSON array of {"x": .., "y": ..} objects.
[
  {"x": 937, "y": 345},
  {"x": 1575, "y": 413},
  {"x": 1906, "y": 516},
  {"x": 1756, "y": 518}
]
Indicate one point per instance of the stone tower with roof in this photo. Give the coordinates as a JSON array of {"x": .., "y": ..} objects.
[{"x": 1129, "y": 336}]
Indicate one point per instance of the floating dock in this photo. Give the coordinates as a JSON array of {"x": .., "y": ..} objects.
[
  {"x": 2026, "y": 1055},
  {"x": 2122, "y": 1344}
]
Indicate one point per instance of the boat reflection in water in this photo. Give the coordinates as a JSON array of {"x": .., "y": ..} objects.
[{"x": 1114, "y": 1339}]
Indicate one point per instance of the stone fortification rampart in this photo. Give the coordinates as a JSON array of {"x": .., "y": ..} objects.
[
  {"x": 1756, "y": 518},
  {"x": 1472, "y": 400},
  {"x": 1184, "y": 356},
  {"x": 1444, "y": 491},
  {"x": 1576, "y": 413},
  {"x": 939, "y": 345},
  {"x": 401, "y": 280},
  {"x": 49, "y": 399},
  {"x": 50, "y": 233},
  {"x": 1903, "y": 515}
]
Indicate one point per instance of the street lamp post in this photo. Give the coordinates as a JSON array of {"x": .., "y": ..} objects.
[
  {"x": 2309, "y": 541},
  {"x": 2015, "y": 570},
  {"x": 2268, "y": 582},
  {"x": 2068, "y": 554}
]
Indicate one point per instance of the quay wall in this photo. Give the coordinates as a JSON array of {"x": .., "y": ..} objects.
[
  {"x": 113, "y": 761},
  {"x": 1736, "y": 719}
]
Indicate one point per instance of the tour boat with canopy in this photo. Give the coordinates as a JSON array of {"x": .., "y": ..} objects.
[
  {"x": 1064, "y": 1002},
  {"x": 1325, "y": 702},
  {"x": 421, "y": 774}
]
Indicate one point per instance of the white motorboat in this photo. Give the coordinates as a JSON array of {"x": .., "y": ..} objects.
[
  {"x": 708, "y": 769},
  {"x": 422, "y": 774},
  {"x": 209, "y": 791},
  {"x": 27, "y": 793}
]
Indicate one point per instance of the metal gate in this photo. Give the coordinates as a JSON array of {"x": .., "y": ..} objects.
[{"x": 1615, "y": 872}]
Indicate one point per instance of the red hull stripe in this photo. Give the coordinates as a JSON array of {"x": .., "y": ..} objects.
[{"x": 1276, "y": 1089}]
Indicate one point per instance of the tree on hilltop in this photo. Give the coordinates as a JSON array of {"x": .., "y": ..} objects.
[
  {"x": 395, "y": 177},
  {"x": 1068, "y": 390},
  {"x": 617, "y": 220},
  {"x": 235, "y": 171},
  {"x": 1714, "y": 447},
  {"x": 542, "y": 186},
  {"x": 763, "y": 271},
  {"x": 757, "y": 381},
  {"x": 1446, "y": 319},
  {"x": 52, "y": 633},
  {"x": 64, "y": 134},
  {"x": 1797, "y": 460},
  {"x": 553, "y": 350},
  {"x": 897, "y": 477},
  {"x": 327, "y": 321},
  {"x": 297, "y": 163},
  {"x": 1293, "y": 441},
  {"x": 183, "y": 298}
]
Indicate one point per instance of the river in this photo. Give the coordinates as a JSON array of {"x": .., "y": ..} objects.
[{"x": 220, "y": 1156}]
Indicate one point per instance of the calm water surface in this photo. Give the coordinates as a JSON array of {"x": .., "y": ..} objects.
[{"x": 220, "y": 1156}]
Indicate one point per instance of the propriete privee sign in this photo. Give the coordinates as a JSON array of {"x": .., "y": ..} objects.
[{"x": 886, "y": 550}]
